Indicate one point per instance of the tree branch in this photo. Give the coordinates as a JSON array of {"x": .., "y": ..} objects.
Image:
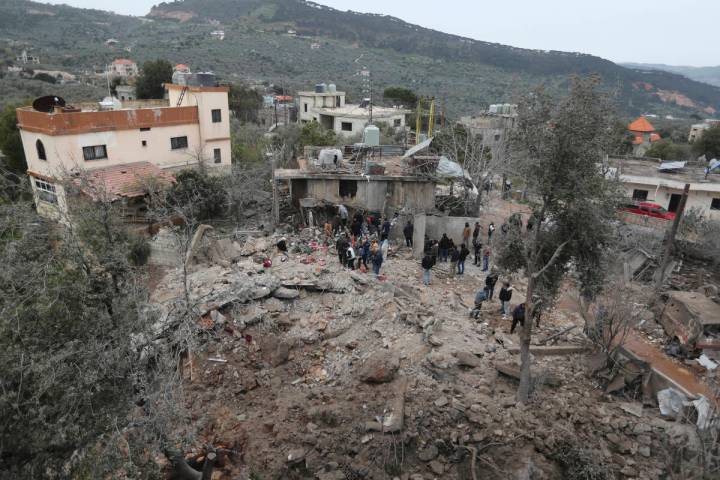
[{"x": 552, "y": 260}]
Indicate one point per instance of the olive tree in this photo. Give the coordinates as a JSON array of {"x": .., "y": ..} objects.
[{"x": 558, "y": 147}]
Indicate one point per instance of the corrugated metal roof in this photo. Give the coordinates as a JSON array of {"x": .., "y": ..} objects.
[{"x": 418, "y": 148}]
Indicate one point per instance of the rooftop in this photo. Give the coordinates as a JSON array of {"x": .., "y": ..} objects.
[
  {"x": 310, "y": 93},
  {"x": 645, "y": 171},
  {"x": 359, "y": 112},
  {"x": 127, "y": 180},
  {"x": 642, "y": 124},
  {"x": 123, "y": 61}
]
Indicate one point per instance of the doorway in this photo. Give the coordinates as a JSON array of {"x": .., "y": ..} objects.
[{"x": 674, "y": 202}]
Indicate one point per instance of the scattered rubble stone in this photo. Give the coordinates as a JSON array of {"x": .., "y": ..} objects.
[
  {"x": 428, "y": 453},
  {"x": 380, "y": 367},
  {"x": 466, "y": 359}
]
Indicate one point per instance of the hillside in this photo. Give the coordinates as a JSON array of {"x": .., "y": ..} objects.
[
  {"x": 330, "y": 45},
  {"x": 710, "y": 75}
]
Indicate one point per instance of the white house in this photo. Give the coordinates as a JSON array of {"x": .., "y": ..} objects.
[
  {"x": 326, "y": 105},
  {"x": 643, "y": 181},
  {"x": 122, "y": 67},
  {"x": 124, "y": 144}
]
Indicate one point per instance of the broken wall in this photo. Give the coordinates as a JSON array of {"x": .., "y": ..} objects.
[{"x": 434, "y": 226}]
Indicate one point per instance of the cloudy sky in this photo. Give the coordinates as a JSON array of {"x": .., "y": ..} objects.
[{"x": 675, "y": 32}]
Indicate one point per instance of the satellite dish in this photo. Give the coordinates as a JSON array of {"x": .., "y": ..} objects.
[{"x": 48, "y": 104}]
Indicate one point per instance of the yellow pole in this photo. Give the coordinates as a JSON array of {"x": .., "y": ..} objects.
[
  {"x": 431, "y": 122},
  {"x": 418, "y": 121}
]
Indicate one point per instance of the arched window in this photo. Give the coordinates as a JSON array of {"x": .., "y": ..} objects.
[{"x": 40, "y": 150}]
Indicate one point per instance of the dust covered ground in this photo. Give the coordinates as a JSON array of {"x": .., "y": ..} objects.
[{"x": 312, "y": 371}]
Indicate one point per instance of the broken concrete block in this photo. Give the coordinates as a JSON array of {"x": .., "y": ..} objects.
[
  {"x": 286, "y": 293},
  {"x": 467, "y": 359},
  {"x": 428, "y": 453},
  {"x": 395, "y": 416},
  {"x": 380, "y": 367},
  {"x": 296, "y": 455}
]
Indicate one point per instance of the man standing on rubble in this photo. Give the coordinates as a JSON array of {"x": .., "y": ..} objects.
[
  {"x": 466, "y": 235},
  {"x": 341, "y": 246},
  {"x": 490, "y": 282},
  {"x": 350, "y": 257},
  {"x": 486, "y": 260},
  {"x": 343, "y": 214},
  {"x": 386, "y": 227},
  {"x": 480, "y": 297},
  {"x": 518, "y": 317},
  {"x": 476, "y": 232},
  {"x": 444, "y": 247},
  {"x": 505, "y": 296},
  {"x": 454, "y": 259},
  {"x": 464, "y": 252},
  {"x": 477, "y": 246},
  {"x": 491, "y": 230},
  {"x": 427, "y": 263},
  {"x": 408, "y": 232}
]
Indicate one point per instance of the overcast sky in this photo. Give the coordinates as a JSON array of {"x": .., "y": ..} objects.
[{"x": 674, "y": 32}]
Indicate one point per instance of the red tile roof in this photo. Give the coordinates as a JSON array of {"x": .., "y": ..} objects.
[
  {"x": 641, "y": 125},
  {"x": 123, "y": 61},
  {"x": 126, "y": 180}
]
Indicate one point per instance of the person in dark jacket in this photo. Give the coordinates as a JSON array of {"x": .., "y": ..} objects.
[
  {"x": 434, "y": 249},
  {"x": 464, "y": 252},
  {"x": 490, "y": 282},
  {"x": 427, "y": 263},
  {"x": 518, "y": 317},
  {"x": 476, "y": 232},
  {"x": 480, "y": 297},
  {"x": 408, "y": 232},
  {"x": 477, "y": 247},
  {"x": 505, "y": 296},
  {"x": 342, "y": 245},
  {"x": 356, "y": 228},
  {"x": 454, "y": 259},
  {"x": 386, "y": 227},
  {"x": 444, "y": 247}
]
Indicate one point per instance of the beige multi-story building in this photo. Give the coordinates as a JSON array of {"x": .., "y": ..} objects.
[
  {"x": 122, "y": 67},
  {"x": 697, "y": 130},
  {"x": 126, "y": 143},
  {"x": 326, "y": 105}
]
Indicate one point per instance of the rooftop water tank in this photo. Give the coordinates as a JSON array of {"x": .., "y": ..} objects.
[
  {"x": 332, "y": 88},
  {"x": 319, "y": 87},
  {"x": 371, "y": 136}
]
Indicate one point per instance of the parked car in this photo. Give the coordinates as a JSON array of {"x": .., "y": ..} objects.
[{"x": 649, "y": 209}]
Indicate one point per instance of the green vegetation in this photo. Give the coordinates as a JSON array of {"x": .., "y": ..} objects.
[
  {"x": 256, "y": 48},
  {"x": 244, "y": 102},
  {"x": 150, "y": 82},
  {"x": 401, "y": 95},
  {"x": 11, "y": 143},
  {"x": 709, "y": 143},
  {"x": 667, "y": 150},
  {"x": 312, "y": 134},
  {"x": 201, "y": 195}
]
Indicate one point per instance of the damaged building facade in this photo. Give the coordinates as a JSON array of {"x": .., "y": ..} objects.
[{"x": 126, "y": 141}]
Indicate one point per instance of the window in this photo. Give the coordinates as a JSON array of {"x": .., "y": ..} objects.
[
  {"x": 305, "y": 107},
  {"x": 145, "y": 129},
  {"x": 40, "y": 150},
  {"x": 177, "y": 143},
  {"x": 347, "y": 188},
  {"x": 46, "y": 191},
  {"x": 497, "y": 137},
  {"x": 144, "y": 143},
  {"x": 217, "y": 155},
  {"x": 640, "y": 195},
  {"x": 216, "y": 115},
  {"x": 337, "y": 101},
  {"x": 346, "y": 126},
  {"x": 715, "y": 204},
  {"x": 398, "y": 122},
  {"x": 96, "y": 152}
]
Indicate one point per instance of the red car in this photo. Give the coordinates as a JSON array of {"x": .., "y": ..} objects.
[{"x": 650, "y": 209}]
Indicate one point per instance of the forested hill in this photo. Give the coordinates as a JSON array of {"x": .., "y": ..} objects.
[
  {"x": 328, "y": 45},
  {"x": 386, "y": 32}
]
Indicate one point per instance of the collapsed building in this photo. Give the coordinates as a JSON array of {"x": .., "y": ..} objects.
[{"x": 384, "y": 180}]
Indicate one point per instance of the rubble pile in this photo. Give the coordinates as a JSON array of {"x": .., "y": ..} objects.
[{"x": 313, "y": 371}]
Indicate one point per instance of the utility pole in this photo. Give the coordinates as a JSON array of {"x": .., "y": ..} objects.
[
  {"x": 275, "y": 195},
  {"x": 670, "y": 241}
]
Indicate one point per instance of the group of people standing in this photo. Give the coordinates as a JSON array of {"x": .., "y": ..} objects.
[{"x": 364, "y": 243}]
